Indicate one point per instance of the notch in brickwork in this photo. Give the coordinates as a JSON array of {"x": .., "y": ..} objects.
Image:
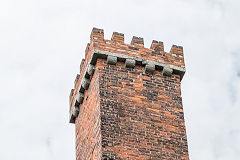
[
  {"x": 117, "y": 37},
  {"x": 157, "y": 46},
  {"x": 97, "y": 34},
  {"x": 137, "y": 41},
  {"x": 177, "y": 50}
]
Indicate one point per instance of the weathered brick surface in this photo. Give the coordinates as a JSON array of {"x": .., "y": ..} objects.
[
  {"x": 128, "y": 113},
  {"x": 141, "y": 114},
  {"x": 88, "y": 128}
]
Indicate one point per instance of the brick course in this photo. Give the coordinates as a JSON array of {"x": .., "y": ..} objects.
[{"x": 129, "y": 112}]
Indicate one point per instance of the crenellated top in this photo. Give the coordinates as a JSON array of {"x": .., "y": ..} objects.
[
  {"x": 137, "y": 41},
  {"x": 117, "y": 37},
  {"x": 178, "y": 50},
  {"x": 157, "y": 46},
  {"x": 136, "y": 48},
  {"x": 97, "y": 34},
  {"x": 114, "y": 50}
]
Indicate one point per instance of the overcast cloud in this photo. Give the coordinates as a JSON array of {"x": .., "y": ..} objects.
[{"x": 43, "y": 42}]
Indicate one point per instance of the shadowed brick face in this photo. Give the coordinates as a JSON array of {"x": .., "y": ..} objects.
[{"x": 127, "y": 112}]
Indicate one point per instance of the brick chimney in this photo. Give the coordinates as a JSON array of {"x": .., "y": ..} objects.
[{"x": 126, "y": 102}]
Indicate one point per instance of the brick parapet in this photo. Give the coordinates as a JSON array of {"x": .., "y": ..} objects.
[
  {"x": 78, "y": 82},
  {"x": 136, "y": 48},
  {"x": 151, "y": 58}
]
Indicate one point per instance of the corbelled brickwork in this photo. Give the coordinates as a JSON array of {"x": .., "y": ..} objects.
[{"x": 126, "y": 102}]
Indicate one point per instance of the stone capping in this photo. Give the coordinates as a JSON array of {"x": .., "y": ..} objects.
[
  {"x": 167, "y": 71},
  {"x": 80, "y": 97},
  {"x": 85, "y": 83},
  {"x": 111, "y": 60},
  {"x": 90, "y": 69},
  {"x": 130, "y": 62},
  {"x": 150, "y": 67},
  {"x": 75, "y": 111}
]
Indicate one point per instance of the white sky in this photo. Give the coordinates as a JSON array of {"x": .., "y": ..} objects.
[{"x": 43, "y": 42}]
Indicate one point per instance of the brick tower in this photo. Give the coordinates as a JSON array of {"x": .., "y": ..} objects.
[{"x": 126, "y": 102}]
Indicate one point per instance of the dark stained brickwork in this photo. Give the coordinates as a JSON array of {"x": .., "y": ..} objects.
[
  {"x": 128, "y": 113},
  {"x": 141, "y": 114}
]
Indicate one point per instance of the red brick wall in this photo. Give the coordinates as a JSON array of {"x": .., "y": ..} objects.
[
  {"x": 128, "y": 113},
  {"x": 141, "y": 114},
  {"x": 88, "y": 129}
]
